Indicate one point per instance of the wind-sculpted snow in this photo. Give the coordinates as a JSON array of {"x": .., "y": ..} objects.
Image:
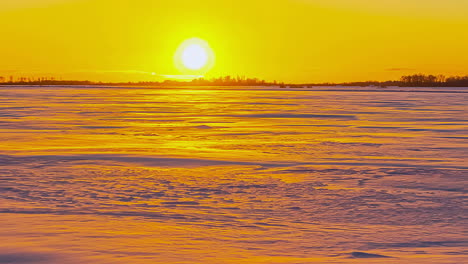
[{"x": 139, "y": 175}]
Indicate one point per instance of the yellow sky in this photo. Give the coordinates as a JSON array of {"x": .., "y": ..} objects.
[{"x": 287, "y": 40}]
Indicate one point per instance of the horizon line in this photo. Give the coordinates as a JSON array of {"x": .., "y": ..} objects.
[{"x": 242, "y": 80}]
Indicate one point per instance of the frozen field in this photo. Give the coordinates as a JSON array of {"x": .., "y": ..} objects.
[{"x": 233, "y": 175}]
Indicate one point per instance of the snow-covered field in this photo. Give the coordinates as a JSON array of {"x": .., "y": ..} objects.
[{"x": 233, "y": 175}]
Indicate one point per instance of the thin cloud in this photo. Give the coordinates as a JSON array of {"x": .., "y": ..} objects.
[
  {"x": 400, "y": 69},
  {"x": 147, "y": 73},
  {"x": 181, "y": 77}
]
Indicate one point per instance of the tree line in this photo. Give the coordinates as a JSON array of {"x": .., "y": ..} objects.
[
  {"x": 434, "y": 80},
  {"x": 415, "y": 80}
]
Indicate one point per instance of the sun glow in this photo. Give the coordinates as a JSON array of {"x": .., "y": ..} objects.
[{"x": 194, "y": 56}]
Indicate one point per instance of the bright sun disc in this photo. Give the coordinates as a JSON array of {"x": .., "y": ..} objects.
[{"x": 194, "y": 56}]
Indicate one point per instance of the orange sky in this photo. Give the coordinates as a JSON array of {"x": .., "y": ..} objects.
[{"x": 286, "y": 40}]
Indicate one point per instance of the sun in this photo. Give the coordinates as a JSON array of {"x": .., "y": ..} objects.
[{"x": 194, "y": 56}]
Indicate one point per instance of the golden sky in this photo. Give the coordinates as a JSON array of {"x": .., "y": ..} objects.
[{"x": 286, "y": 40}]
